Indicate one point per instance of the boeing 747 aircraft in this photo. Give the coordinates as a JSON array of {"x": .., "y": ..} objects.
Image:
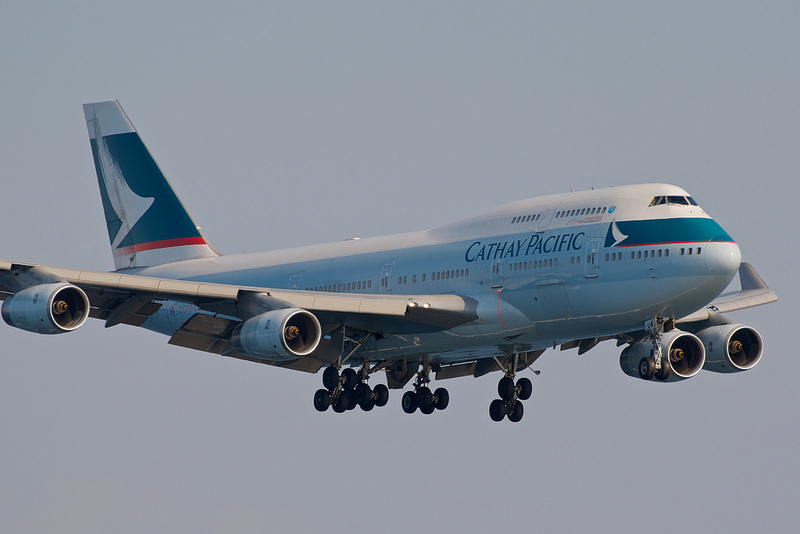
[{"x": 643, "y": 265}]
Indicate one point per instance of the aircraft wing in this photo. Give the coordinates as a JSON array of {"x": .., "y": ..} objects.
[
  {"x": 754, "y": 292},
  {"x": 131, "y": 299}
]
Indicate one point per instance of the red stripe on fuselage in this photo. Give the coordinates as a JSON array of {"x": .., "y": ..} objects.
[{"x": 166, "y": 243}]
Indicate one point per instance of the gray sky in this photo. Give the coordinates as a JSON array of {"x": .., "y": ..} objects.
[{"x": 283, "y": 124}]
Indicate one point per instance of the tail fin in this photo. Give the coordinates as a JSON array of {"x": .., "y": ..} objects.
[{"x": 147, "y": 223}]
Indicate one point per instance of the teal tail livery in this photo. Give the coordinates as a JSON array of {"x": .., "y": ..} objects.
[
  {"x": 147, "y": 223},
  {"x": 642, "y": 265}
]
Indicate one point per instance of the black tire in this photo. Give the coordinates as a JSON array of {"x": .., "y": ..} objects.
[
  {"x": 350, "y": 378},
  {"x": 424, "y": 399},
  {"x": 647, "y": 368},
  {"x": 409, "y": 402},
  {"x": 367, "y": 404},
  {"x": 381, "y": 395},
  {"x": 663, "y": 373},
  {"x": 497, "y": 410},
  {"x": 342, "y": 403},
  {"x": 525, "y": 388},
  {"x": 442, "y": 398},
  {"x": 516, "y": 413},
  {"x": 322, "y": 400},
  {"x": 427, "y": 410},
  {"x": 351, "y": 399},
  {"x": 330, "y": 378},
  {"x": 505, "y": 388},
  {"x": 362, "y": 393}
]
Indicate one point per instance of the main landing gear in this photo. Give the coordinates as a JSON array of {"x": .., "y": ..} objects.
[
  {"x": 511, "y": 394},
  {"x": 350, "y": 389},
  {"x": 422, "y": 397}
]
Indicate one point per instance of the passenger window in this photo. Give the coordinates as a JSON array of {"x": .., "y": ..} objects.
[{"x": 699, "y": 250}]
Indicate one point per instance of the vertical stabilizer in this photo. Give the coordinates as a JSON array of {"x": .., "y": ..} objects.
[{"x": 147, "y": 223}]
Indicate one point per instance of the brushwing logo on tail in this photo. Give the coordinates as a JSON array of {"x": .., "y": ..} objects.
[{"x": 128, "y": 206}]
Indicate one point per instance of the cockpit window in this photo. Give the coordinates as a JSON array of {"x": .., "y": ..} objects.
[{"x": 674, "y": 200}]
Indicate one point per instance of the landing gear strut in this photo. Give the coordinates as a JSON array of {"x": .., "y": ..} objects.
[
  {"x": 654, "y": 365},
  {"x": 349, "y": 389},
  {"x": 422, "y": 397},
  {"x": 511, "y": 394}
]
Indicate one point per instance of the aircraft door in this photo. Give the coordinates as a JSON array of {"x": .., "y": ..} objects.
[
  {"x": 497, "y": 274},
  {"x": 385, "y": 283},
  {"x": 295, "y": 280},
  {"x": 592, "y": 258}
]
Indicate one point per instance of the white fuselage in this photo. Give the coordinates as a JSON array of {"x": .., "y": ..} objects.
[{"x": 544, "y": 271}]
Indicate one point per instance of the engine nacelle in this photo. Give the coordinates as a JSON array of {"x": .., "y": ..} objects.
[
  {"x": 731, "y": 348},
  {"x": 278, "y": 334},
  {"x": 47, "y": 308},
  {"x": 682, "y": 352}
]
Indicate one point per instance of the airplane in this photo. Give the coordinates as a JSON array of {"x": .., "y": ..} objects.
[{"x": 641, "y": 264}]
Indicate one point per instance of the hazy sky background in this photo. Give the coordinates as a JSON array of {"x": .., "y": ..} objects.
[{"x": 284, "y": 124}]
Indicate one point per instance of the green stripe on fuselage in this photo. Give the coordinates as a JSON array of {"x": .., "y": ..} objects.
[{"x": 665, "y": 231}]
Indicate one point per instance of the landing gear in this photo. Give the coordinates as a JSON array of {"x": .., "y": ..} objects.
[
  {"x": 422, "y": 397},
  {"x": 511, "y": 394},
  {"x": 654, "y": 365},
  {"x": 350, "y": 389}
]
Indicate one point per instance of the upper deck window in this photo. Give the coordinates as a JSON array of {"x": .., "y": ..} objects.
[{"x": 674, "y": 200}]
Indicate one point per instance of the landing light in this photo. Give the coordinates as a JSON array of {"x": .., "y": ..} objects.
[{"x": 426, "y": 305}]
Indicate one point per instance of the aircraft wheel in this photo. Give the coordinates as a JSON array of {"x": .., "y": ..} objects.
[
  {"x": 367, "y": 404},
  {"x": 442, "y": 398},
  {"x": 330, "y": 378},
  {"x": 424, "y": 399},
  {"x": 409, "y": 402},
  {"x": 505, "y": 388},
  {"x": 516, "y": 413},
  {"x": 497, "y": 410},
  {"x": 663, "y": 373},
  {"x": 350, "y": 378},
  {"x": 342, "y": 403},
  {"x": 362, "y": 392},
  {"x": 647, "y": 368},
  {"x": 525, "y": 388},
  {"x": 381, "y": 395},
  {"x": 322, "y": 399}
]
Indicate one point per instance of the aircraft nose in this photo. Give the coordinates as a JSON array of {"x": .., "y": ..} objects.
[{"x": 723, "y": 258}]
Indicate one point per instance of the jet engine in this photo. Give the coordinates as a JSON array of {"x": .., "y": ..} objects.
[
  {"x": 731, "y": 348},
  {"x": 47, "y": 308},
  {"x": 682, "y": 355},
  {"x": 282, "y": 334}
]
